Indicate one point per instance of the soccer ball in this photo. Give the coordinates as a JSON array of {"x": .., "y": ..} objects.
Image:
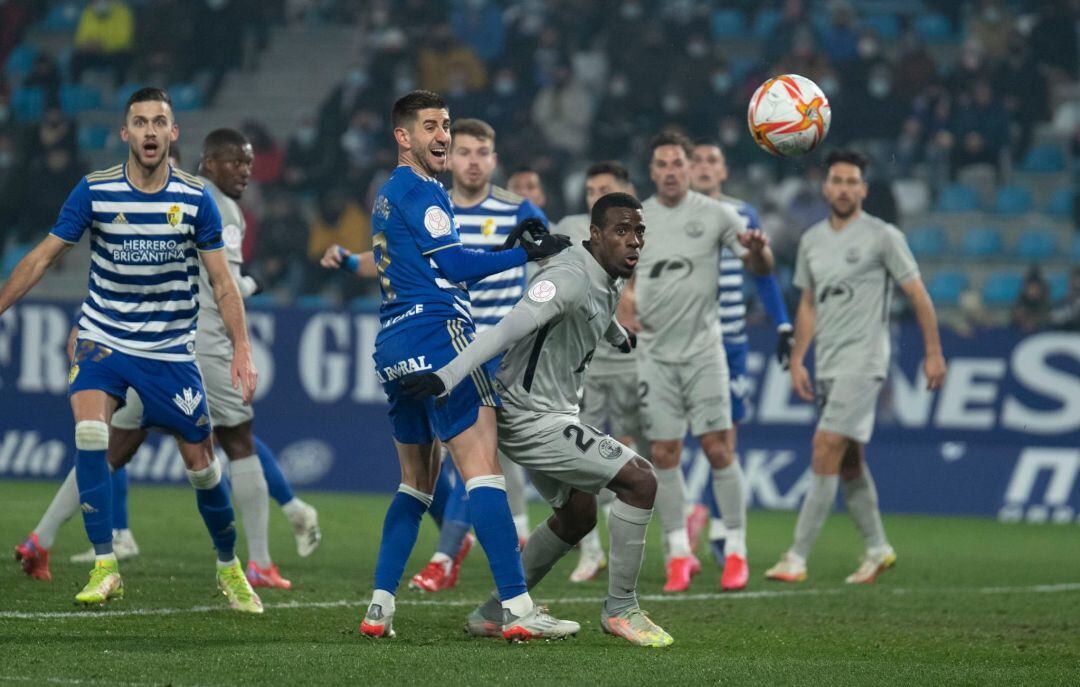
[{"x": 789, "y": 115}]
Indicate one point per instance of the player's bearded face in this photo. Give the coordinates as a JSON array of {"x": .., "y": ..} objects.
[
  {"x": 429, "y": 140},
  {"x": 472, "y": 161},
  {"x": 149, "y": 130},
  {"x": 844, "y": 189},
  {"x": 670, "y": 171},
  {"x": 620, "y": 241}
]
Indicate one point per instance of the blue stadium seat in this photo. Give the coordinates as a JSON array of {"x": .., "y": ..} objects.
[
  {"x": 260, "y": 300},
  {"x": 1013, "y": 200},
  {"x": 122, "y": 93},
  {"x": 981, "y": 242},
  {"x": 729, "y": 23},
  {"x": 928, "y": 242},
  {"x": 20, "y": 61},
  {"x": 312, "y": 301},
  {"x": 1001, "y": 288},
  {"x": 886, "y": 25},
  {"x": 63, "y": 16},
  {"x": 765, "y": 21},
  {"x": 1061, "y": 202},
  {"x": 75, "y": 98},
  {"x": 28, "y": 104},
  {"x": 94, "y": 136},
  {"x": 1037, "y": 244},
  {"x": 1043, "y": 159},
  {"x": 186, "y": 97},
  {"x": 1059, "y": 285},
  {"x": 945, "y": 287},
  {"x": 933, "y": 27},
  {"x": 958, "y": 198},
  {"x": 12, "y": 256},
  {"x": 369, "y": 304}
]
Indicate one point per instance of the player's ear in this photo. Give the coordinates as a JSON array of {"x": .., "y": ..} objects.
[
  {"x": 174, "y": 132},
  {"x": 401, "y": 135},
  {"x": 124, "y": 133}
]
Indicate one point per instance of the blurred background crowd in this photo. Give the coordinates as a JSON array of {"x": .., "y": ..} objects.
[{"x": 969, "y": 110}]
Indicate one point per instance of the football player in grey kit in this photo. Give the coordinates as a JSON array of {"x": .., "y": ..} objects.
[
  {"x": 845, "y": 266},
  {"x": 551, "y": 335}
]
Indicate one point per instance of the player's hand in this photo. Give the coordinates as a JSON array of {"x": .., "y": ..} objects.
[
  {"x": 785, "y": 334},
  {"x": 420, "y": 386},
  {"x": 934, "y": 368},
  {"x": 753, "y": 240},
  {"x": 548, "y": 245},
  {"x": 530, "y": 226},
  {"x": 630, "y": 343},
  {"x": 248, "y": 286},
  {"x": 800, "y": 379},
  {"x": 333, "y": 256},
  {"x": 244, "y": 374}
]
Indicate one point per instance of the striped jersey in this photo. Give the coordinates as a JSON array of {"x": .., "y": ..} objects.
[
  {"x": 732, "y": 300},
  {"x": 485, "y": 226},
  {"x": 144, "y": 266}
]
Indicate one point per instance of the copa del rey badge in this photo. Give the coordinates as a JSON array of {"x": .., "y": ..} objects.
[{"x": 542, "y": 291}]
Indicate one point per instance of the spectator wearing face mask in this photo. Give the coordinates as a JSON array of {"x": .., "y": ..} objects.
[
  {"x": 104, "y": 39},
  {"x": 1032, "y": 309},
  {"x": 305, "y": 158}
]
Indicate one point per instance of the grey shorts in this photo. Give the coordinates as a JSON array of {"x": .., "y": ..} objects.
[
  {"x": 846, "y": 405},
  {"x": 611, "y": 401},
  {"x": 559, "y": 452},
  {"x": 676, "y": 395}
]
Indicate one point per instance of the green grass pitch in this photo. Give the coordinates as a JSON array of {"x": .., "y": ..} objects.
[{"x": 970, "y": 602}]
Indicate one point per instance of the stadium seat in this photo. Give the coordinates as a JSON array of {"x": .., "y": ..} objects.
[
  {"x": 1059, "y": 285},
  {"x": 313, "y": 301},
  {"x": 28, "y": 104},
  {"x": 1061, "y": 202},
  {"x": 1001, "y": 289},
  {"x": 94, "y": 136},
  {"x": 63, "y": 16},
  {"x": 122, "y": 93},
  {"x": 958, "y": 198},
  {"x": 186, "y": 97},
  {"x": 1013, "y": 200},
  {"x": 75, "y": 99},
  {"x": 369, "y": 304},
  {"x": 887, "y": 26},
  {"x": 1037, "y": 244},
  {"x": 981, "y": 242},
  {"x": 765, "y": 22},
  {"x": 928, "y": 242},
  {"x": 945, "y": 287},
  {"x": 260, "y": 300},
  {"x": 728, "y": 23},
  {"x": 933, "y": 27},
  {"x": 1043, "y": 159},
  {"x": 20, "y": 61}
]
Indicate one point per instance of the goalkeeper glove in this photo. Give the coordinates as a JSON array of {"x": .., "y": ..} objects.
[{"x": 420, "y": 386}]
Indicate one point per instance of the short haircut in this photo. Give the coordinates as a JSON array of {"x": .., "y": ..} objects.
[
  {"x": 219, "y": 139},
  {"x": 849, "y": 156},
  {"x": 406, "y": 107},
  {"x": 524, "y": 169},
  {"x": 145, "y": 95},
  {"x": 612, "y": 167},
  {"x": 671, "y": 138},
  {"x": 612, "y": 200},
  {"x": 710, "y": 144},
  {"x": 477, "y": 128}
]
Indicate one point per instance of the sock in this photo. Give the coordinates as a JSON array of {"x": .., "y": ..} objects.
[
  {"x": 495, "y": 530},
  {"x": 451, "y": 535},
  {"x": 677, "y": 542},
  {"x": 860, "y": 495},
  {"x": 729, "y": 487},
  {"x": 252, "y": 499},
  {"x": 212, "y": 498},
  {"x": 628, "y": 526},
  {"x": 95, "y": 485},
  {"x": 716, "y": 529},
  {"x": 276, "y": 484},
  {"x": 64, "y": 505},
  {"x": 120, "y": 499},
  {"x": 400, "y": 529},
  {"x": 590, "y": 543},
  {"x": 293, "y": 509},
  {"x": 815, "y": 508},
  {"x": 384, "y": 599},
  {"x": 521, "y": 526},
  {"x": 543, "y": 550},
  {"x": 670, "y": 502}
]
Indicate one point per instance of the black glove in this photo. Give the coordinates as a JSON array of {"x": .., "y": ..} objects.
[
  {"x": 420, "y": 386},
  {"x": 784, "y": 343},
  {"x": 630, "y": 343},
  {"x": 530, "y": 226},
  {"x": 548, "y": 245}
]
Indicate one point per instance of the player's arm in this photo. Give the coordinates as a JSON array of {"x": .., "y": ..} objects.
[
  {"x": 619, "y": 336},
  {"x": 805, "y": 321},
  {"x": 30, "y": 270},
  {"x": 360, "y": 264},
  {"x": 934, "y": 364},
  {"x": 758, "y": 257},
  {"x": 231, "y": 307}
]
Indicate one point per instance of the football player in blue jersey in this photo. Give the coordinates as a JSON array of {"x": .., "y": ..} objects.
[
  {"x": 423, "y": 274},
  {"x": 150, "y": 228}
]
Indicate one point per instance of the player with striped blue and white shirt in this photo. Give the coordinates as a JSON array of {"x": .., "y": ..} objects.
[{"x": 151, "y": 226}]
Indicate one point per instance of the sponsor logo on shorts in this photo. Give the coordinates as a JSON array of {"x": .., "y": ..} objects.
[
  {"x": 542, "y": 291},
  {"x": 189, "y": 401},
  {"x": 402, "y": 368},
  {"x": 437, "y": 222},
  {"x": 609, "y": 448}
]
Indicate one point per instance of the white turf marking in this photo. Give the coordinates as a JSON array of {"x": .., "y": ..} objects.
[
  {"x": 37, "y": 680},
  {"x": 652, "y": 598}
]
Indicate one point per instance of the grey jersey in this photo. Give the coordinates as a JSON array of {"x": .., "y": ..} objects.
[
  {"x": 608, "y": 360},
  {"x": 849, "y": 271},
  {"x": 210, "y": 336},
  {"x": 677, "y": 276}
]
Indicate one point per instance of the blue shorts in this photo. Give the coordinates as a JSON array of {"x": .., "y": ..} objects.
[
  {"x": 426, "y": 347},
  {"x": 172, "y": 393},
  {"x": 736, "y": 361}
]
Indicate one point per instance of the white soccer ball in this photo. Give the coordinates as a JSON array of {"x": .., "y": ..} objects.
[{"x": 789, "y": 115}]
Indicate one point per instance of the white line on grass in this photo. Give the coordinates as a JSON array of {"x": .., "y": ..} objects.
[
  {"x": 652, "y": 598},
  {"x": 37, "y": 680}
]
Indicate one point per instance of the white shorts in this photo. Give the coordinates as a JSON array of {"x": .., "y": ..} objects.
[
  {"x": 847, "y": 405},
  {"x": 677, "y": 395},
  {"x": 611, "y": 402}
]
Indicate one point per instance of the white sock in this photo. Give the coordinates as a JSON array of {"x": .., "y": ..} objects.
[
  {"x": 729, "y": 488},
  {"x": 294, "y": 509},
  {"x": 444, "y": 560},
  {"x": 64, "y": 505},
  {"x": 228, "y": 564},
  {"x": 521, "y": 524},
  {"x": 252, "y": 499},
  {"x": 717, "y": 529},
  {"x": 105, "y": 557},
  {"x": 678, "y": 542},
  {"x": 521, "y": 605},
  {"x": 384, "y": 599},
  {"x": 590, "y": 543}
]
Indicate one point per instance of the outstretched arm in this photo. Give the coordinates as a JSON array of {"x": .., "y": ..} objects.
[
  {"x": 360, "y": 264},
  {"x": 934, "y": 364},
  {"x": 805, "y": 321},
  {"x": 31, "y": 269},
  {"x": 231, "y": 307}
]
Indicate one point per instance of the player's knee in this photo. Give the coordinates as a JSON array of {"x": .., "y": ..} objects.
[
  {"x": 640, "y": 481},
  {"x": 665, "y": 454},
  {"x": 717, "y": 448},
  {"x": 206, "y": 478},
  {"x": 577, "y": 518},
  {"x": 91, "y": 435}
]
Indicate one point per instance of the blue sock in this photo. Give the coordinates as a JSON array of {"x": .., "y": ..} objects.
[
  {"x": 494, "y": 526},
  {"x": 120, "y": 499},
  {"x": 400, "y": 529},
  {"x": 443, "y": 486},
  {"x": 95, "y": 498},
  {"x": 456, "y": 520},
  {"x": 279, "y": 487},
  {"x": 217, "y": 512}
]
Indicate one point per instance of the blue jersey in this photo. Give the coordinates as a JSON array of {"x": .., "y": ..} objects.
[
  {"x": 484, "y": 226},
  {"x": 413, "y": 219},
  {"x": 732, "y": 301},
  {"x": 144, "y": 265}
]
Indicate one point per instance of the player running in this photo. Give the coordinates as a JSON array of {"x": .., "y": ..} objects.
[
  {"x": 845, "y": 267},
  {"x": 423, "y": 271},
  {"x": 150, "y": 226},
  {"x": 708, "y": 171},
  {"x": 682, "y": 369},
  {"x": 610, "y": 397},
  {"x": 549, "y": 339},
  {"x": 225, "y": 169}
]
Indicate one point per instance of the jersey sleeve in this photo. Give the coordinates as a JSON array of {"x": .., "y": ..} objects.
[
  {"x": 802, "y": 279},
  {"x": 897, "y": 256},
  {"x": 748, "y": 211},
  {"x": 208, "y": 225},
  {"x": 553, "y": 293},
  {"x": 76, "y": 215},
  {"x": 529, "y": 209},
  {"x": 429, "y": 218},
  {"x": 731, "y": 225}
]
